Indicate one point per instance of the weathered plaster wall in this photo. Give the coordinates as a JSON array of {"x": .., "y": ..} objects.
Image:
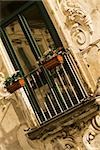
[
  {"x": 93, "y": 9},
  {"x": 93, "y": 56},
  {"x": 15, "y": 115},
  {"x": 9, "y": 121}
]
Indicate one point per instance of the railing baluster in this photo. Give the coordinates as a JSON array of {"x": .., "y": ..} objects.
[
  {"x": 64, "y": 86},
  {"x": 54, "y": 95},
  {"x": 38, "y": 74},
  {"x": 74, "y": 76},
  {"x": 70, "y": 83},
  {"x": 61, "y": 94},
  {"x": 38, "y": 117},
  {"x": 48, "y": 109},
  {"x": 37, "y": 86},
  {"x": 72, "y": 61},
  {"x": 51, "y": 104},
  {"x": 29, "y": 83},
  {"x": 33, "y": 78},
  {"x": 43, "y": 114},
  {"x": 56, "y": 99}
]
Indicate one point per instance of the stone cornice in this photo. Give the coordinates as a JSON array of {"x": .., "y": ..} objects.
[{"x": 73, "y": 119}]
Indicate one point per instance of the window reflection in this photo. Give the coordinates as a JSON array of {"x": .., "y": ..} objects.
[
  {"x": 26, "y": 57},
  {"x": 21, "y": 47},
  {"x": 39, "y": 28}
]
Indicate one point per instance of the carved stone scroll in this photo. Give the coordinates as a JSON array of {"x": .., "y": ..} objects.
[
  {"x": 78, "y": 22},
  {"x": 62, "y": 144},
  {"x": 91, "y": 138}
]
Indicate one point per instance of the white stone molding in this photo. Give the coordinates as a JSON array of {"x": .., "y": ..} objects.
[
  {"x": 91, "y": 57},
  {"x": 62, "y": 144},
  {"x": 3, "y": 91},
  {"x": 61, "y": 141},
  {"x": 89, "y": 48},
  {"x": 97, "y": 90},
  {"x": 96, "y": 123},
  {"x": 91, "y": 138},
  {"x": 78, "y": 22},
  {"x": 22, "y": 138}
]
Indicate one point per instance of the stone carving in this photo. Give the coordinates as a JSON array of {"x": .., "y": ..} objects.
[
  {"x": 91, "y": 57},
  {"x": 78, "y": 23},
  {"x": 97, "y": 90},
  {"x": 90, "y": 137},
  {"x": 96, "y": 123},
  {"x": 92, "y": 133},
  {"x": 56, "y": 145},
  {"x": 63, "y": 144},
  {"x": 3, "y": 92}
]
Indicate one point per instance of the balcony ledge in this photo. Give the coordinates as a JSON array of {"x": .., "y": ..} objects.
[{"x": 85, "y": 111}]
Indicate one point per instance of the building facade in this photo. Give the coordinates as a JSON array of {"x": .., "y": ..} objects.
[{"x": 54, "y": 46}]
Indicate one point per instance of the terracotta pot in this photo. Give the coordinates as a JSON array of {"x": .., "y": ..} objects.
[
  {"x": 52, "y": 63},
  {"x": 16, "y": 85}
]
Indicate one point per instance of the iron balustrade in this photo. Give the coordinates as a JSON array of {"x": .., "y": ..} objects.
[{"x": 57, "y": 90}]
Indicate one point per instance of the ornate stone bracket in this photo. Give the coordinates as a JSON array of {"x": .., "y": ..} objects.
[
  {"x": 61, "y": 143},
  {"x": 92, "y": 133}
]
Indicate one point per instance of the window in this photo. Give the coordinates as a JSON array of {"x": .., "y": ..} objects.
[
  {"x": 54, "y": 85},
  {"x": 21, "y": 47},
  {"x": 39, "y": 28}
]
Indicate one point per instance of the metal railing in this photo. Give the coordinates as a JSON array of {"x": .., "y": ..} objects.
[{"x": 57, "y": 90}]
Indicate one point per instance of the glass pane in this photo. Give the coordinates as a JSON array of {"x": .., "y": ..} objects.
[
  {"x": 21, "y": 47},
  {"x": 39, "y": 29}
]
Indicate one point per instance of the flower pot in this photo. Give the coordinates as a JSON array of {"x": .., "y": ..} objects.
[
  {"x": 53, "y": 62},
  {"x": 15, "y": 85}
]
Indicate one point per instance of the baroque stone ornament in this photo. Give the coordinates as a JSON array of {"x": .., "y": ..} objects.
[
  {"x": 91, "y": 57},
  {"x": 96, "y": 123},
  {"x": 78, "y": 22},
  {"x": 91, "y": 138},
  {"x": 3, "y": 91},
  {"x": 62, "y": 143}
]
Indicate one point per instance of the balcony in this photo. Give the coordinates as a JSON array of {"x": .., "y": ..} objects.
[{"x": 57, "y": 87}]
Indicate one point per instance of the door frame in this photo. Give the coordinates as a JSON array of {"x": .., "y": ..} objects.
[{"x": 32, "y": 43}]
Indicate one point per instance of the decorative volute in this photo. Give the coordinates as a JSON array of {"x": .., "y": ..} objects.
[
  {"x": 92, "y": 134},
  {"x": 78, "y": 22}
]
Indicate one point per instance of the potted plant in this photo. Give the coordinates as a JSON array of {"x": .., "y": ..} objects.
[
  {"x": 53, "y": 58},
  {"x": 14, "y": 82}
]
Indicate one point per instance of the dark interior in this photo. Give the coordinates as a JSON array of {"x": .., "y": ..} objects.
[{"x": 9, "y": 7}]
